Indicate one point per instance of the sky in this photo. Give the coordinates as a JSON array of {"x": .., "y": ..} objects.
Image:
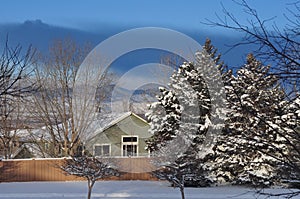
[
  {"x": 89, "y": 15},
  {"x": 98, "y": 15}
]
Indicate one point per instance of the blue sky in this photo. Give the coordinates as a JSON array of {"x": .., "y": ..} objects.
[
  {"x": 90, "y": 14},
  {"x": 181, "y": 15}
]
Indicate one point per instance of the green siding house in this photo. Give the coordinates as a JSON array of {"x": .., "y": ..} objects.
[{"x": 123, "y": 137}]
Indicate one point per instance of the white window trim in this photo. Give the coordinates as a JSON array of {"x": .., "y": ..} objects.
[
  {"x": 132, "y": 143},
  {"x": 94, "y": 146}
]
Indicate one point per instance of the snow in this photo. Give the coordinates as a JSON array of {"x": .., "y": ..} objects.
[{"x": 122, "y": 190}]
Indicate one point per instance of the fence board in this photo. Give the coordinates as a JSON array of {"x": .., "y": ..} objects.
[{"x": 24, "y": 170}]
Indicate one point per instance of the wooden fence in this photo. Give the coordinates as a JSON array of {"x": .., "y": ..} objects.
[{"x": 24, "y": 170}]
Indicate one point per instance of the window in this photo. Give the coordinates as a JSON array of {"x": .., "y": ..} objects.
[
  {"x": 130, "y": 139},
  {"x": 102, "y": 150},
  {"x": 129, "y": 150},
  {"x": 129, "y": 145}
]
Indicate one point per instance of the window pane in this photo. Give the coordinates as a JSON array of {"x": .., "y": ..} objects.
[
  {"x": 98, "y": 150},
  {"x": 129, "y": 150},
  {"x": 130, "y": 139},
  {"x": 124, "y": 150},
  {"x": 106, "y": 150}
]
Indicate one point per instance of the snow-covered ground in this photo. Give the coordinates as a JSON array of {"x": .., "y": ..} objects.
[{"x": 120, "y": 190}]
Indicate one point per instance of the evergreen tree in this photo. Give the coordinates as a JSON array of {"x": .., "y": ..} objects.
[
  {"x": 181, "y": 117},
  {"x": 213, "y": 52},
  {"x": 287, "y": 124},
  {"x": 246, "y": 152},
  {"x": 194, "y": 97},
  {"x": 165, "y": 117}
]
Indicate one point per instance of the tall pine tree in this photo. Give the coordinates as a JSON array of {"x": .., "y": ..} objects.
[
  {"x": 182, "y": 116},
  {"x": 287, "y": 125},
  {"x": 246, "y": 153}
]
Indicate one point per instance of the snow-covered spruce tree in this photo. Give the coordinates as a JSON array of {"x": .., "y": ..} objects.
[
  {"x": 165, "y": 117},
  {"x": 247, "y": 150},
  {"x": 193, "y": 96},
  {"x": 90, "y": 168},
  {"x": 181, "y": 118},
  {"x": 216, "y": 57},
  {"x": 287, "y": 124},
  {"x": 293, "y": 122}
]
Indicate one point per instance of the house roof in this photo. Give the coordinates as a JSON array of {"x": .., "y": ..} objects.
[
  {"x": 32, "y": 148},
  {"x": 115, "y": 120},
  {"x": 100, "y": 124},
  {"x": 125, "y": 115}
]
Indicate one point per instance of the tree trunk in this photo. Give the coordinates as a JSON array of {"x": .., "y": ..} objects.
[
  {"x": 182, "y": 192},
  {"x": 89, "y": 192},
  {"x": 90, "y": 187}
]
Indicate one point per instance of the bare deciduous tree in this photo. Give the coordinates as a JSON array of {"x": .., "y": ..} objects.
[
  {"x": 174, "y": 175},
  {"x": 55, "y": 104},
  {"x": 15, "y": 68},
  {"x": 278, "y": 46},
  {"x": 90, "y": 168},
  {"x": 169, "y": 167},
  {"x": 15, "y": 86}
]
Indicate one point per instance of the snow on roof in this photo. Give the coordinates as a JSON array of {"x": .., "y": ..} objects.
[
  {"x": 100, "y": 123},
  {"x": 32, "y": 134},
  {"x": 110, "y": 120},
  {"x": 33, "y": 148},
  {"x": 122, "y": 117}
]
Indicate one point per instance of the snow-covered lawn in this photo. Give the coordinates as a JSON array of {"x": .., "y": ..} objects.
[{"x": 120, "y": 190}]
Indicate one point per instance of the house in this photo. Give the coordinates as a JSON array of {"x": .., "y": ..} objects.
[
  {"x": 118, "y": 135},
  {"x": 124, "y": 136},
  {"x": 29, "y": 143}
]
